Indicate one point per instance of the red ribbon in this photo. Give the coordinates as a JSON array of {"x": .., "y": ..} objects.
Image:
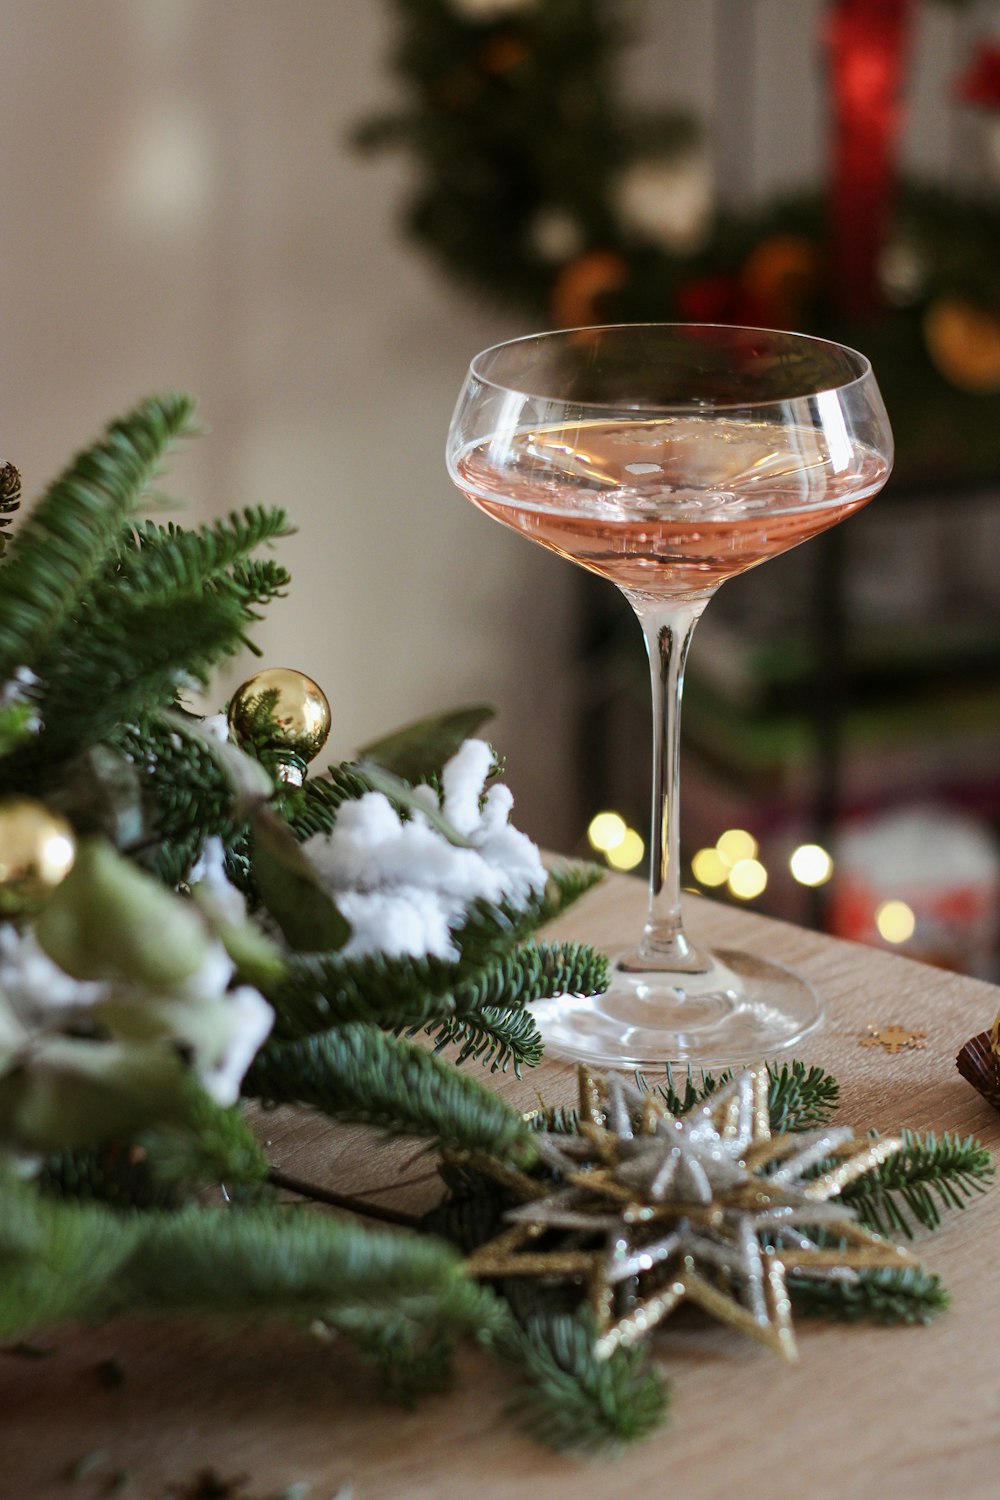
[{"x": 866, "y": 43}]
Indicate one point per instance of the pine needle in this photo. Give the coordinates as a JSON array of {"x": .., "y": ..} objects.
[
  {"x": 930, "y": 1174},
  {"x": 358, "y": 1073},
  {"x": 61, "y": 546},
  {"x": 569, "y": 1399},
  {"x": 886, "y": 1296}
]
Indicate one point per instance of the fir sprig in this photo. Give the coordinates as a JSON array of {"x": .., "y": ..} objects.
[
  {"x": 494, "y": 1037},
  {"x": 325, "y": 989},
  {"x": 356, "y": 1072},
  {"x": 799, "y": 1097},
  {"x": 59, "y": 549},
  {"x": 255, "y": 1262},
  {"x": 884, "y": 1296},
  {"x": 929, "y": 1174},
  {"x": 570, "y": 1399}
]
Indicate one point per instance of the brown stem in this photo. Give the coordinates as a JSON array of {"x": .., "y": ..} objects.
[{"x": 341, "y": 1200}]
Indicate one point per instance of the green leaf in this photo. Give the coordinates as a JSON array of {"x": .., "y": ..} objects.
[
  {"x": 420, "y": 750},
  {"x": 251, "y": 785},
  {"x": 110, "y": 920},
  {"x": 74, "y": 1092},
  {"x": 292, "y": 888}
]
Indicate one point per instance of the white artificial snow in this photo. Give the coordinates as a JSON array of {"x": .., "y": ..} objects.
[
  {"x": 216, "y": 726},
  {"x": 209, "y": 872},
  {"x": 247, "y": 1021},
  {"x": 402, "y": 886}
]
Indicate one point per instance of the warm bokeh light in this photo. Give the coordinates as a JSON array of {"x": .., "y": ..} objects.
[
  {"x": 709, "y": 868},
  {"x": 895, "y": 921},
  {"x": 606, "y": 831},
  {"x": 810, "y": 864},
  {"x": 747, "y": 879},
  {"x": 626, "y": 854},
  {"x": 736, "y": 845}
]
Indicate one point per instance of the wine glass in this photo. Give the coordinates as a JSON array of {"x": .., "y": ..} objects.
[{"x": 668, "y": 458}]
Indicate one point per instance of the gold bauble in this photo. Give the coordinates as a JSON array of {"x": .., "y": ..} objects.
[
  {"x": 37, "y": 850},
  {"x": 298, "y": 706},
  {"x": 964, "y": 342}
]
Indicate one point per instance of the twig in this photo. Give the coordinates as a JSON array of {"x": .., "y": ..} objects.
[{"x": 341, "y": 1200}]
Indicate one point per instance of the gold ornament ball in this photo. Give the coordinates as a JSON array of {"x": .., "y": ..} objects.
[
  {"x": 297, "y": 705},
  {"x": 37, "y": 850}
]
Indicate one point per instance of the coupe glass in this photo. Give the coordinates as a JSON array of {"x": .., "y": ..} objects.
[{"x": 667, "y": 458}]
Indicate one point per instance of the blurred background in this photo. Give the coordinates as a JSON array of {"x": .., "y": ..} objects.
[{"x": 311, "y": 214}]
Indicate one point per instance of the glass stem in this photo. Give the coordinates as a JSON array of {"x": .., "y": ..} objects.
[{"x": 667, "y": 628}]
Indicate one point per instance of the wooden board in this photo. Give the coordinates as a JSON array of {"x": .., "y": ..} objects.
[{"x": 866, "y": 1412}]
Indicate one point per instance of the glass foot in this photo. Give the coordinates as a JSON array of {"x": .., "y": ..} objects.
[{"x": 738, "y": 1009}]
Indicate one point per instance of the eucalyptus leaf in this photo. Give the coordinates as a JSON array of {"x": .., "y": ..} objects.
[
  {"x": 250, "y": 782},
  {"x": 74, "y": 1092},
  {"x": 420, "y": 750},
  {"x": 110, "y": 920},
  {"x": 292, "y": 888}
]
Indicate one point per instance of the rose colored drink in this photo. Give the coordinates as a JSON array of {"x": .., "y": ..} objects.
[
  {"x": 668, "y": 507},
  {"x": 667, "y": 458}
]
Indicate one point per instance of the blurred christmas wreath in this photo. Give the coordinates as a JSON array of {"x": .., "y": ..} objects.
[{"x": 540, "y": 187}]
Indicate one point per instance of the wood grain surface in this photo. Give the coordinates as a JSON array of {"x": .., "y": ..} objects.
[{"x": 866, "y": 1412}]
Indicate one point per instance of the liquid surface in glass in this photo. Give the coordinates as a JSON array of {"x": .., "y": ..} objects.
[{"x": 669, "y": 505}]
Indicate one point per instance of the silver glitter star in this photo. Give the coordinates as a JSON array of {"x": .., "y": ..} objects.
[{"x": 709, "y": 1207}]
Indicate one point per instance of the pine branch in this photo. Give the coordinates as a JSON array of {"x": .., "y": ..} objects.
[
  {"x": 569, "y": 1399},
  {"x": 407, "y": 993},
  {"x": 410, "y": 1361},
  {"x": 189, "y": 795},
  {"x": 491, "y": 1036},
  {"x": 163, "y": 564},
  {"x": 117, "y": 1176},
  {"x": 75, "y": 1261},
  {"x": 113, "y": 673},
  {"x": 176, "y": 559},
  {"x": 211, "y": 1145},
  {"x": 884, "y": 1296},
  {"x": 799, "y": 1098},
  {"x": 358, "y": 1073},
  {"x": 63, "y": 544},
  {"x": 929, "y": 1174}
]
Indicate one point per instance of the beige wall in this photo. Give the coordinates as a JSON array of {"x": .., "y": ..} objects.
[{"x": 179, "y": 207}]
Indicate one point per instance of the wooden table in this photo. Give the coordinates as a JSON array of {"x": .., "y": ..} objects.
[{"x": 866, "y": 1412}]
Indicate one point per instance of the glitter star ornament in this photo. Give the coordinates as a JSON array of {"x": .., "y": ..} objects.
[{"x": 650, "y": 1210}]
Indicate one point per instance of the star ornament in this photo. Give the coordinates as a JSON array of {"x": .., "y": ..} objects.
[{"x": 648, "y": 1210}]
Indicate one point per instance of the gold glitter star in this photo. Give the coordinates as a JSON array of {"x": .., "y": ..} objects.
[{"x": 649, "y": 1210}]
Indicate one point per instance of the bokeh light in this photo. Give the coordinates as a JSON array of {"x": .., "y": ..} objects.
[
  {"x": 811, "y": 864},
  {"x": 627, "y": 853},
  {"x": 606, "y": 831},
  {"x": 709, "y": 868},
  {"x": 735, "y": 845},
  {"x": 895, "y": 921},
  {"x": 747, "y": 879}
]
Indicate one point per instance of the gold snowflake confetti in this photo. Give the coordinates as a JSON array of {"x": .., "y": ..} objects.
[{"x": 893, "y": 1038}]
